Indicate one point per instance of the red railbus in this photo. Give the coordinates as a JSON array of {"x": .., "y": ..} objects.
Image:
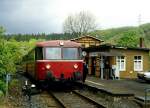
[{"x": 55, "y": 60}]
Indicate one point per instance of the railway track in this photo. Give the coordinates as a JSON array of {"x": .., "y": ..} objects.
[
  {"x": 99, "y": 101},
  {"x": 105, "y": 102},
  {"x": 106, "y": 98},
  {"x": 46, "y": 101},
  {"x": 83, "y": 96},
  {"x": 72, "y": 99}
]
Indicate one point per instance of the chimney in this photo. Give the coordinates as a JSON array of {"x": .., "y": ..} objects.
[{"x": 141, "y": 42}]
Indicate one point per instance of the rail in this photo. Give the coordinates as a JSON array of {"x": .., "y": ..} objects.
[
  {"x": 58, "y": 100},
  {"x": 90, "y": 100},
  {"x": 147, "y": 90},
  {"x": 71, "y": 99}
]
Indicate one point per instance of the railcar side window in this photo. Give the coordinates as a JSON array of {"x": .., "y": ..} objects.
[
  {"x": 39, "y": 53},
  {"x": 70, "y": 53},
  {"x": 53, "y": 53}
]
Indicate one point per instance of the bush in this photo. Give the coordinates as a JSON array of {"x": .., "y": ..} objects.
[
  {"x": 13, "y": 87},
  {"x": 13, "y": 83},
  {"x": 2, "y": 86},
  {"x": 1, "y": 94}
]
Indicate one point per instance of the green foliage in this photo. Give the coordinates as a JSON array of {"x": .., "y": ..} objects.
[
  {"x": 146, "y": 31},
  {"x": 121, "y": 36},
  {"x": 28, "y": 37},
  {"x": 2, "y": 86},
  {"x": 8, "y": 57},
  {"x": 13, "y": 86},
  {"x": 110, "y": 33},
  {"x": 113, "y": 36},
  {"x": 2, "y": 30},
  {"x": 11, "y": 54},
  {"x": 130, "y": 38},
  {"x": 1, "y": 94},
  {"x": 13, "y": 83}
]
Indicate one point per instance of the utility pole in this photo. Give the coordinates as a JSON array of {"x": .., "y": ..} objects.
[
  {"x": 139, "y": 20},
  {"x": 139, "y": 23}
]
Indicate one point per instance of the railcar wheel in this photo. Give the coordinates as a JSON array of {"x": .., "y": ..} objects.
[{"x": 43, "y": 85}]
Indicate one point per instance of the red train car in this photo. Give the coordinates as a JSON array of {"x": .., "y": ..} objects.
[{"x": 55, "y": 60}]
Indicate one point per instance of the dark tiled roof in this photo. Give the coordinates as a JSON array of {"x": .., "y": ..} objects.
[
  {"x": 131, "y": 48},
  {"x": 105, "y": 47}
]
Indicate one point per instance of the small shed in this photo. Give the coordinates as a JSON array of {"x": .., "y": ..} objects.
[{"x": 88, "y": 41}]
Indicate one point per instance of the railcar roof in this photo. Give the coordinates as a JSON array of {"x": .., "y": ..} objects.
[{"x": 53, "y": 43}]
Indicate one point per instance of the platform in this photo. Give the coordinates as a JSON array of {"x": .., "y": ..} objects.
[{"x": 121, "y": 86}]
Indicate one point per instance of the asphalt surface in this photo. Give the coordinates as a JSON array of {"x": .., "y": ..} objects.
[{"x": 137, "y": 87}]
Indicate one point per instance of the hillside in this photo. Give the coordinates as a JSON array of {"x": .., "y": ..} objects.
[{"x": 125, "y": 36}]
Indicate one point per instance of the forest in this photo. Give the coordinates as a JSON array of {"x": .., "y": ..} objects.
[
  {"x": 122, "y": 36},
  {"x": 14, "y": 46}
]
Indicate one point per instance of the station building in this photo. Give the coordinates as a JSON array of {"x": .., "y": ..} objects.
[{"x": 110, "y": 61}]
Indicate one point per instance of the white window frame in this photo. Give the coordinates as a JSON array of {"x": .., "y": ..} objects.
[
  {"x": 136, "y": 63},
  {"x": 121, "y": 66}
]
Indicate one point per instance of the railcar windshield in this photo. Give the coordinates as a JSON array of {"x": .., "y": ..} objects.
[
  {"x": 53, "y": 53},
  {"x": 70, "y": 53},
  {"x": 62, "y": 53}
]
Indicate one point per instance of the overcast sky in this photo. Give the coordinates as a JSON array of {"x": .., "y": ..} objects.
[{"x": 47, "y": 16}]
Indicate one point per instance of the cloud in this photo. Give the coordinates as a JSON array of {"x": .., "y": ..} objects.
[
  {"x": 33, "y": 16},
  {"x": 28, "y": 16}
]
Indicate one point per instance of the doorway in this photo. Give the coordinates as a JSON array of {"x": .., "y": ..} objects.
[
  {"x": 93, "y": 66},
  {"x": 107, "y": 67}
]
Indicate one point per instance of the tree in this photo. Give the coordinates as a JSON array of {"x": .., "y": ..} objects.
[
  {"x": 2, "y": 31},
  {"x": 79, "y": 24},
  {"x": 130, "y": 38},
  {"x": 145, "y": 28}
]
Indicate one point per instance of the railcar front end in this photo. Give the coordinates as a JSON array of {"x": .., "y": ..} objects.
[
  {"x": 59, "y": 70},
  {"x": 58, "y": 61}
]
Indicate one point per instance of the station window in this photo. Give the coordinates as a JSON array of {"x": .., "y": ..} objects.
[
  {"x": 120, "y": 62},
  {"x": 138, "y": 63},
  {"x": 87, "y": 45}
]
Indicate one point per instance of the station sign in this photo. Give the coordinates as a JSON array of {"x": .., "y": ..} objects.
[{"x": 93, "y": 54}]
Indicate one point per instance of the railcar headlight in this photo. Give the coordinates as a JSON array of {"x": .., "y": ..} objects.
[
  {"x": 48, "y": 66},
  {"x": 61, "y": 43},
  {"x": 75, "y": 66}
]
